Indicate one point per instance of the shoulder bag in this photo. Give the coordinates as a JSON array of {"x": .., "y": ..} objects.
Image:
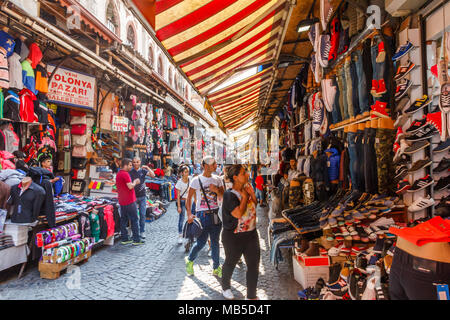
[{"x": 214, "y": 212}]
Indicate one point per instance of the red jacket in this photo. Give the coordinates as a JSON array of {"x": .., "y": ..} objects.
[
  {"x": 26, "y": 110},
  {"x": 35, "y": 55}
]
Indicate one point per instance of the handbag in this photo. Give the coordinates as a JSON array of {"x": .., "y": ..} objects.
[
  {"x": 215, "y": 212},
  {"x": 79, "y": 163},
  {"x": 79, "y": 151},
  {"x": 78, "y": 185},
  {"x": 79, "y": 140},
  {"x": 79, "y": 129},
  {"x": 78, "y": 120},
  {"x": 79, "y": 174}
]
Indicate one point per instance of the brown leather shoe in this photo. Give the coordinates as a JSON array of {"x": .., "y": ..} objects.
[
  {"x": 313, "y": 249},
  {"x": 304, "y": 245}
]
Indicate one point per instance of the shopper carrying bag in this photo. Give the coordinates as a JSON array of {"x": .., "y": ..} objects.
[
  {"x": 206, "y": 188},
  {"x": 239, "y": 235},
  {"x": 182, "y": 187}
]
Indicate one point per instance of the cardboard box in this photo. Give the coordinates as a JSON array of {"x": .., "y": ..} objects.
[
  {"x": 314, "y": 261},
  {"x": 19, "y": 233},
  {"x": 308, "y": 275}
]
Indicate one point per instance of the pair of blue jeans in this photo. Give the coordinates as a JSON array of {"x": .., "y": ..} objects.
[
  {"x": 164, "y": 191},
  {"x": 343, "y": 92},
  {"x": 349, "y": 83},
  {"x": 129, "y": 213},
  {"x": 336, "y": 112},
  {"x": 355, "y": 85},
  {"x": 213, "y": 231},
  {"x": 142, "y": 207},
  {"x": 181, "y": 216},
  {"x": 351, "y": 139},
  {"x": 361, "y": 82}
]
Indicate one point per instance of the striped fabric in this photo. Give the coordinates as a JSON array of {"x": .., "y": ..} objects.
[{"x": 212, "y": 39}]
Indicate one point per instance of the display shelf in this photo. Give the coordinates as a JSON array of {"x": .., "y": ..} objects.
[
  {"x": 53, "y": 270},
  {"x": 364, "y": 35}
]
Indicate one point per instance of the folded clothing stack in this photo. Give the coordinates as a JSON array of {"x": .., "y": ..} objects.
[{"x": 6, "y": 241}]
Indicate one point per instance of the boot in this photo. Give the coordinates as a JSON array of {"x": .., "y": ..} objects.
[
  {"x": 334, "y": 272},
  {"x": 313, "y": 249},
  {"x": 304, "y": 245}
]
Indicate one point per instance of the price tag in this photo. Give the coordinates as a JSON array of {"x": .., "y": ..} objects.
[
  {"x": 328, "y": 164},
  {"x": 443, "y": 292},
  {"x": 306, "y": 187},
  {"x": 308, "y": 194},
  {"x": 377, "y": 140}
]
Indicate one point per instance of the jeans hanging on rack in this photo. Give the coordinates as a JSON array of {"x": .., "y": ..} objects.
[
  {"x": 370, "y": 161},
  {"x": 353, "y": 159},
  {"x": 343, "y": 90},
  {"x": 383, "y": 146},
  {"x": 336, "y": 112},
  {"x": 360, "y": 160},
  {"x": 362, "y": 82},
  {"x": 355, "y": 86},
  {"x": 349, "y": 84}
]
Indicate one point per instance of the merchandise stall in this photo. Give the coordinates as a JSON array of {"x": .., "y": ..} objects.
[{"x": 364, "y": 171}]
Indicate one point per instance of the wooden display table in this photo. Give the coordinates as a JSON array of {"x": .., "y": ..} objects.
[{"x": 50, "y": 270}]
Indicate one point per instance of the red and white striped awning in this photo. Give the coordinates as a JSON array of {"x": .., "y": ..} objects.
[
  {"x": 234, "y": 102},
  {"x": 213, "y": 39}
]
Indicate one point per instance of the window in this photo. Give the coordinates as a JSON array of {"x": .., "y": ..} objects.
[
  {"x": 112, "y": 18},
  {"x": 131, "y": 36},
  {"x": 160, "y": 67},
  {"x": 150, "y": 55}
]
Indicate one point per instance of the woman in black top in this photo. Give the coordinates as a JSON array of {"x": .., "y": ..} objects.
[{"x": 239, "y": 235}]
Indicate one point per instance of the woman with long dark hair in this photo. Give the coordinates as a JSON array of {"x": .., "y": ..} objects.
[{"x": 239, "y": 235}]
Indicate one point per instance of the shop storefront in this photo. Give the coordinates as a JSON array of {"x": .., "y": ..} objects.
[{"x": 361, "y": 200}]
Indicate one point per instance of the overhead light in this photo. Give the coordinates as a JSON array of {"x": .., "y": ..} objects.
[
  {"x": 283, "y": 65},
  {"x": 304, "y": 25}
]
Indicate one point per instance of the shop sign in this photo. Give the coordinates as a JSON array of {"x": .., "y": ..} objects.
[
  {"x": 120, "y": 124},
  {"x": 71, "y": 88}
]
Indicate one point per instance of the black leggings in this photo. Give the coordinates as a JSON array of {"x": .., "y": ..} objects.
[
  {"x": 412, "y": 278},
  {"x": 236, "y": 245}
]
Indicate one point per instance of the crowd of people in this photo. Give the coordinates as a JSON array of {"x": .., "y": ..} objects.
[{"x": 222, "y": 198}]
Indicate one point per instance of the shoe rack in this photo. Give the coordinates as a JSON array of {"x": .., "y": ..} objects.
[
  {"x": 433, "y": 91},
  {"x": 415, "y": 92}
]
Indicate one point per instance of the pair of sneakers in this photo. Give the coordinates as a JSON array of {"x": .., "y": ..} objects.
[{"x": 190, "y": 269}]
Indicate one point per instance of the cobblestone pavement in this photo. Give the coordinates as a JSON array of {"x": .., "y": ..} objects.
[{"x": 155, "y": 270}]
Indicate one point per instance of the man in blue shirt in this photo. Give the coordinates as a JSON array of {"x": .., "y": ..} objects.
[{"x": 140, "y": 173}]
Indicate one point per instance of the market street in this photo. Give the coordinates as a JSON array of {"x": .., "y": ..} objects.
[{"x": 153, "y": 271}]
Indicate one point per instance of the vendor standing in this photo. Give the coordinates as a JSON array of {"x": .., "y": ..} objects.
[{"x": 140, "y": 173}]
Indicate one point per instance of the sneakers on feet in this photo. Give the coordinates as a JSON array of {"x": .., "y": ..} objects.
[
  {"x": 189, "y": 267},
  {"x": 126, "y": 242},
  {"x": 218, "y": 272},
  {"x": 138, "y": 243},
  {"x": 227, "y": 294}
]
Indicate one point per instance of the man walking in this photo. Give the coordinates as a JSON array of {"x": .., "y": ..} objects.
[
  {"x": 140, "y": 173},
  {"x": 206, "y": 188},
  {"x": 127, "y": 202}
]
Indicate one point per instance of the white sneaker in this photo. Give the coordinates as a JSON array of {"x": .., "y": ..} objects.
[
  {"x": 180, "y": 239},
  {"x": 227, "y": 294},
  {"x": 401, "y": 150},
  {"x": 421, "y": 204}
]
